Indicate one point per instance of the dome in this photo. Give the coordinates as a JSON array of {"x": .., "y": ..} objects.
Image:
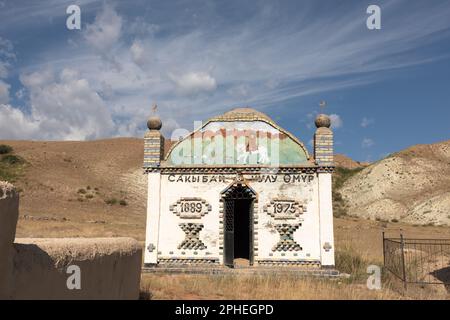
[
  {"x": 242, "y": 114},
  {"x": 322, "y": 120},
  {"x": 154, "y": 123}
]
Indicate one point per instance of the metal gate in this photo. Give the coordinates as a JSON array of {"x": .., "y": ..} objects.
[
  {"x": 239, "y": 192},
  {"x": 229, "y": 233}
]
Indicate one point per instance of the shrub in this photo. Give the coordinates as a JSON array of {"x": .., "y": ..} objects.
[
  {"x": 349, "y": 261},
  {"x": 394, "y": 220},
  {"x": 4, "y": 149},
  {"x": 111, "y": 201},
  {"x": 12, "y": 159},
  {"x": 123, "y": 203},
  {"x": 81, "y": 191},
  {"x": 89, "y": 196},
  {"x": 11, "y": 167}
]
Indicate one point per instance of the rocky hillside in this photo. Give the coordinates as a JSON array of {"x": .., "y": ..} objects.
[
  {"x": 342, "y": 161},
  {"x": 74, "y": 188},
  {"x": 411, "y": 186}
]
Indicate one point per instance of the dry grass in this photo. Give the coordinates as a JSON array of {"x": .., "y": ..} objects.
[
  {"x": 244, "y": 287},
  {"x": 352, "y": 257},
  {"x": 287, "y": 287}
]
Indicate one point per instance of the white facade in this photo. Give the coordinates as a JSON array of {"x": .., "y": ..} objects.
[{"x": 289, "y": 207}]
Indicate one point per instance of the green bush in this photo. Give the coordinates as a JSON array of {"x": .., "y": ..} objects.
[
  {"x": 12, "y": 159},
  {"x": 111, "y": 201},
  {"x": 11, "y": 167},
  {"x": 123, "y": 203},
  {"x": 4, "y": 149}
]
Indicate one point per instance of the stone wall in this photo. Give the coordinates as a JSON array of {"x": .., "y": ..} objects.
[
  {"x": 9, "y": 213},
  {"x": 109, "y": 268}
]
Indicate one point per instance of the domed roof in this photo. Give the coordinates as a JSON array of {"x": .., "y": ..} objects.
[
  {"x": 242, "y": 114},
  {"x": 242, "y": 123}
]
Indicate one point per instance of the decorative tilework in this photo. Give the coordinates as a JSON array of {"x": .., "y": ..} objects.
[
  {"x": 286, "y": 242},
  {"x": 282, "y": 209},
  {"x": 190, "y": 208},
  {"x": 192, "y": 240}
]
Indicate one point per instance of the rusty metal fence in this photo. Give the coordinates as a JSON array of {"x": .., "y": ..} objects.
[{"x": 418, "y": 261}]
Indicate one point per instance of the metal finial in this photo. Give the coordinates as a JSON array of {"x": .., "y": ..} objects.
[{"x": 322, "y": 104}]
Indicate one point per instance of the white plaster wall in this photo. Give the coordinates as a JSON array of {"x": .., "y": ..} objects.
[
  {"x": 308, "y": 234},
  {"x": 326, "y": 219},
  {"x": 153, "y": 215},
  {"x": 171, "y": 235}
]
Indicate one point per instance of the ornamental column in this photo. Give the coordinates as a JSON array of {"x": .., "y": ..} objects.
[
  {"x": 153, "y": 155},
  {"x": 323, "y": 154}
]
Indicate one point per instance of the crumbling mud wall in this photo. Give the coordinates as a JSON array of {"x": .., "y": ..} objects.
[
  {"x": 65, "y": 268},
  {"x": 108, "y": 268},
  {"x": 9, "y": 213}
]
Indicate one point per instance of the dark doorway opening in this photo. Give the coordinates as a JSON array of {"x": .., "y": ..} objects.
[
  {"x": 238, "y": 223},
  {"x": 242, "y": 228}
]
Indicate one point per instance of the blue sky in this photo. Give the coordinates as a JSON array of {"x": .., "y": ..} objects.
[{"x": 385, "y": 89}]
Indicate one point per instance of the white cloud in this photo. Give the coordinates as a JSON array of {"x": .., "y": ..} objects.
[
  {"x": 138, "y": 53},
  {"x": 37, "y": 79},
  {"x": 15, "y": 125},
  {"x": 3, "y": 69},
  {"x": 105, "y": 32},
  {"x": 239, "y": 91},
  {"x": 141, "y": 27},
  {"x": 7, "y": 55},
  {"x": 194, "y": 82},
  {"x": 4, "y": 92},
  {"x": 367, "y": 143},
  {"x": 365, "y": 122},
  {"x": 63, "y": 107},
  {"x": 336, "y": 121}
]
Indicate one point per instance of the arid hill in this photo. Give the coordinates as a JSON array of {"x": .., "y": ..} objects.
[
  {"x": 343, "y": 161},
  {"x": 411, "y": 186},
  {"x": 85, "y": 188}
]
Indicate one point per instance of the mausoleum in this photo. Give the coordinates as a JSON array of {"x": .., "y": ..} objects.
[{"x": 239, "y": 187}]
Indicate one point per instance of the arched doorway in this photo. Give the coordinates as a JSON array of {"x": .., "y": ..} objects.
[{"x": 238, "y": 223}]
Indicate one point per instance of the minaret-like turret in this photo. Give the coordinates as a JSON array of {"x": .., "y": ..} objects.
[
  {"x": 323, "y": 141},
  {"x": 153, "y": 142}
]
